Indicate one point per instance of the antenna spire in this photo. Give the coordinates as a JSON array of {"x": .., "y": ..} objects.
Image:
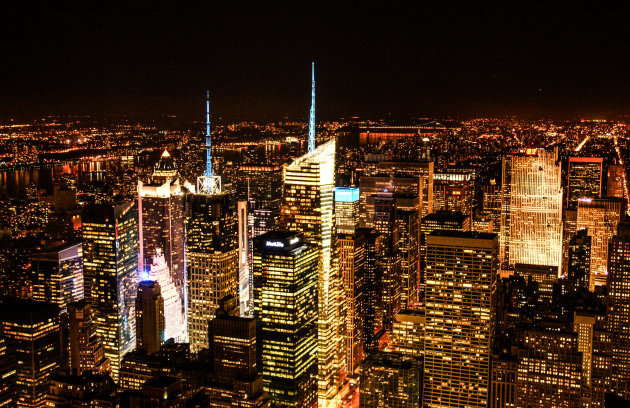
[
  {"x": 311, "y": 122},
  {"x": 208, "y": 172}
]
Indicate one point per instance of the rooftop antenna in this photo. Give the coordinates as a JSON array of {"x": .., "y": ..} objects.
[
  {"x": 208, "y": 172},
  {"x": 208, "y": 183},
  {"x": 311, "y": 122}
]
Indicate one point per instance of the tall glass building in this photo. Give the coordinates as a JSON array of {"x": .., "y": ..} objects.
[
  {"x": 285, "y": 304},
  {"x": 110, "y": 264},
  {"x": 212, "y": 259},
  {"x": 161, "y": 224},
  {"x": 309, "y": 194}
]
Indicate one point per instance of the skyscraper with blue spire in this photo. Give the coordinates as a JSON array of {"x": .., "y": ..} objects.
[{"x": 311, "y": 121}]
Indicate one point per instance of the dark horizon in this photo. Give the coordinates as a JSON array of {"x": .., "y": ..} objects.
[{"x": 408, "y": 60}]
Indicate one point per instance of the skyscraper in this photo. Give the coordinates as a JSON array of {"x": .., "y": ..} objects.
[
  {"x": 579, "y": 260},
  {"x": 86, "y": 350},
  {"x": 285, "y": 301},
  {"x": 149, "y": 317},
  {"x": 351, "y": 250},
  {"x": 454, "y": 190},
  {"x": 309, "y": 193},
  {"x": 33, "y": 327},
  {"x": 212, "y": 259},
  {"x": 619, "y": 312},
  {"x": 59, "y": 275},
  {"x": 372, "y": 310},
  {"x": 161, "y": 223},
  {"x": 600, "y": 218},
  {"x": 174, "y": 325},
  {"x": 347, "y": 209},
  {"x": 408, "y": 226},
  {"x": 531, "y": 218},
  {"x": 614, "y": 181},
  {"x": 110, "y": 264},
  {"x": 585, "y": 179},
  {"x": 461, "y": 297}
]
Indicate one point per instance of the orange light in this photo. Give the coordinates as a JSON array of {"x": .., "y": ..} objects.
[
  {"x": 530, "y": 152},
  {"x": 456, "y": 192}
]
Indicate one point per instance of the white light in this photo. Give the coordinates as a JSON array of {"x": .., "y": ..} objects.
[{"x": 275, "y": 244}]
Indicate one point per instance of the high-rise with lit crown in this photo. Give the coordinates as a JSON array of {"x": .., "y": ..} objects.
[
  {"x": 285, "y": 303},
  {"x": 531, "y": 217},
  {"x": 211, "y": 248},
  {"x": 161, "y": 221},
  {"x": 309, "y": 193},
  {"x": 110, "y": 258},
  {"x": 461, "y": 293}
]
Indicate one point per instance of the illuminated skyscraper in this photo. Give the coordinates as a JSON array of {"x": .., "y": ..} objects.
[
  {"x": 212, "y": 259},
  {"x": 285, "y": 302},
  {"x": 454, "y": 190},
  {"x": 391, "y": 380},
  {"x": 347, "y": 209},
  {"x": 615, "y": 180},
  {"x": 86, "y": 349},
  {"x": 174, "y": 326},
  {"x": 245, "y": 275},
  {"x": 492, "y": 203},
  {"x": 408, "y": 226},
  {"x": 390, "y": 264},
  {"x": 600, "y": 218},
  {"x": 59, "y": 275},
  {"x": 579, "y": 261},
  {"x": 309, "y": 193},
  {"x": 33, "y": 328},
  {"x": 461, "y": 295},
  {"x": 161, "y": 223},
  {"x": 110, "y": 264},
  {"x": 149, "y": 317},
  {"x": 531, "y": 218},
  {"x": 351, "y": 250},
  {"x": 619, "y": 312},
  {"x": 585, "y": 179},
  {"x": 372, "y": 310}
]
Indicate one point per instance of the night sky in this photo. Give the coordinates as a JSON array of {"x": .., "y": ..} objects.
[{"x": 399, "y": 61}]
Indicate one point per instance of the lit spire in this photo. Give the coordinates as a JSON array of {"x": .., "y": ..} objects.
[
  {"x": 208, "y": 172},
  {"x": 311, "y": 121}
]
